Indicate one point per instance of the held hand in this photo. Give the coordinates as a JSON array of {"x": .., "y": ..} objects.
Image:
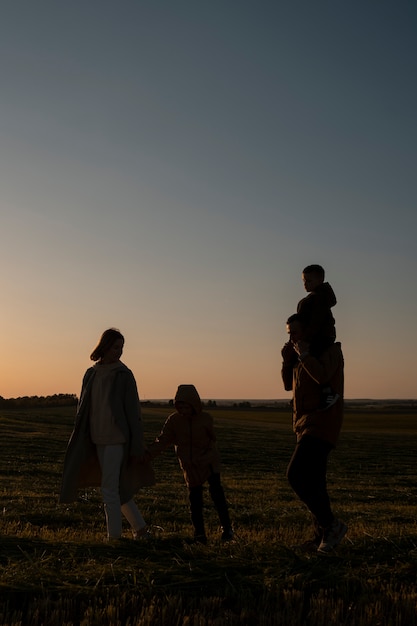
[{"x": 144, "y": 458}]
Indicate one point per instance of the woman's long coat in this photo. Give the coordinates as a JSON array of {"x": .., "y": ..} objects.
[{"x": 81, "y": 464}]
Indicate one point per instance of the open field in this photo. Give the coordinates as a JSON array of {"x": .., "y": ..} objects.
[{"x": 56, "y": 570}]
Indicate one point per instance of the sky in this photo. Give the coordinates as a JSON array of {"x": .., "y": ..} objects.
[{"x": 169, "y": 167}]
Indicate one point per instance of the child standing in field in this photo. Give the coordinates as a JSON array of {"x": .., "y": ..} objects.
[{"x": 190, "y": 430}]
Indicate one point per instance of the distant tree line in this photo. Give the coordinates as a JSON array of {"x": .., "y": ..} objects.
[
  {"x": 71, "y": 399},
  {"x": 58, "y": 399},
  {"x": 210, "y": 403}
]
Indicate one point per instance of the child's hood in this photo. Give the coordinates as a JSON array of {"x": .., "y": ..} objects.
[
  {"x": 189, "y": 394},
  {"x": 326, "y": 292}
]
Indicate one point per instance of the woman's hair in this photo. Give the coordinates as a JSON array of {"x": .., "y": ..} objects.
[{"x": 107, "y": 339}]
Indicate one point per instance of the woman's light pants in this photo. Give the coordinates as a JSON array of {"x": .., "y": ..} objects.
[{"x": 110, "y": 458}]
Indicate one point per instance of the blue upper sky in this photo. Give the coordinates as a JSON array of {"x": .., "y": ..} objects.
[{"x": 169, "y": 168}]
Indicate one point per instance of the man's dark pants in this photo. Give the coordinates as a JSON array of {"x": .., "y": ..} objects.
[{"x": 306, "y": 474}]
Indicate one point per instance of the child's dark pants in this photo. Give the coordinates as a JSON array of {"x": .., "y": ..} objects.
[{"x": 219, "y": 500}]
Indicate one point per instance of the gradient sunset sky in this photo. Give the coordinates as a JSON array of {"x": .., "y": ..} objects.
[{"x": 169, "y": 168}]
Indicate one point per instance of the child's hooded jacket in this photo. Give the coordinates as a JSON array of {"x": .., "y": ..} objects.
[
  {"x": 193, "y": 437},
  {"x": 315, "y": 310}
]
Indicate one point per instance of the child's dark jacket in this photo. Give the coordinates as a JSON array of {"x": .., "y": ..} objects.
[
  {"x": 193, "y": 437},
  {"x": 315, "y": 310}
]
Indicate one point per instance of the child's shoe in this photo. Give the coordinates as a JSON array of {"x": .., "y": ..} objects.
[
  {"x": 332, "y": 536},
  {"x": 227, "y": 534},
  {"x": 328, "y": 397}
]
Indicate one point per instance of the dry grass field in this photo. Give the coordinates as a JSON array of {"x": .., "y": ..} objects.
[{"x": 56, "y": 569}]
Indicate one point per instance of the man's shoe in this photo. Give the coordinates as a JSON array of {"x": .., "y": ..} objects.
[
  {"x": 332, "y": 536},
  {"x": 311, "y": 545}
]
